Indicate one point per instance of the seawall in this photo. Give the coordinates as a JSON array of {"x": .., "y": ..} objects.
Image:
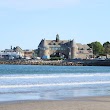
[
  {"x": 58, "y": 63},
  {"x": 40, "y": 62}
]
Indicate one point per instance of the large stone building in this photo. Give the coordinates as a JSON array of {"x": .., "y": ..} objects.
[{"x": 63, "y": 48}]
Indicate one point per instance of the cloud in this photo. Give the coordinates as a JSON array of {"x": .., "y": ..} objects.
[{"x": 37, "y": 4}]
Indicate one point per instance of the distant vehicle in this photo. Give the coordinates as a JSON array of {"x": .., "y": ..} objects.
[
  {"x": 11, "y": 57},
  {"x": 27, "y": 58},
  {"x": 38, "y": 58}
]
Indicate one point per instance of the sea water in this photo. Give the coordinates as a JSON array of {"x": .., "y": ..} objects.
[{"x": 31, "y": 82}]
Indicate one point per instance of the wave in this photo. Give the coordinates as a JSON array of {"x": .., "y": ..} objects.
[
  {"x": 54, "y": 76},
  {"x": 54, "y": 84}
]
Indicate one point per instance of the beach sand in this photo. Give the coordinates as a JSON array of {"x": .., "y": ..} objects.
[{"x": 85, "y": 103}]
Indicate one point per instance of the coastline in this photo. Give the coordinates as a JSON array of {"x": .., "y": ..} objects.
[
  {"x": 40, "y": 62},
  {"x": 69, "y": 62},
  {"x": 80, "y": 103}
]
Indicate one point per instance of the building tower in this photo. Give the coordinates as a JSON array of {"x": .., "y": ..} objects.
[
  {"x": 73, "y": 49},
  {"x": 57, "y": 38},
  {"x": 45, "y": 48}
]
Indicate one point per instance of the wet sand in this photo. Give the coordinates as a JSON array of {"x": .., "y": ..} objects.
[{"x": 85, "y": 103}]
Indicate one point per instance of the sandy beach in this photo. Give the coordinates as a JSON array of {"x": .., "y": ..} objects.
[{"x": 85, "y": 103}]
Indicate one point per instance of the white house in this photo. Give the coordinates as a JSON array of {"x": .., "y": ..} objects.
[{"x": 17, "y": 52}]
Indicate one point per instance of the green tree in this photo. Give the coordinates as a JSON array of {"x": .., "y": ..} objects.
[
  {"x": 106, "y": 46},
  {"x": 97, "y": 48}
]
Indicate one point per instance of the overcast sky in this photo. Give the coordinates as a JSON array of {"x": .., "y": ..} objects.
[{"x": 25, "y": 22}]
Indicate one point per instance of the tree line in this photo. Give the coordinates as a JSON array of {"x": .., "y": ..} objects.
[{"x": 100, "y": 49}]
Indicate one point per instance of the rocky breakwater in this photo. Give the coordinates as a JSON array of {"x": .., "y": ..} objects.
[{"x": 41, "y": 62}]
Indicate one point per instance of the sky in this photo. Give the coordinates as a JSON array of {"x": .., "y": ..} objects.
[{"x": 25, "y": 23}]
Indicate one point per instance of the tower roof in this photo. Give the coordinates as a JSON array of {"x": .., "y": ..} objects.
[
  {"x": 73, "y": 44},
  {"x": 43, "y": 44}
]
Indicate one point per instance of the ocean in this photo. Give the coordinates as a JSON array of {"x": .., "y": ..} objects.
[{"x": 33, "y": 82}]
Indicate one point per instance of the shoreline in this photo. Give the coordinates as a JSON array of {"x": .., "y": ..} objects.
[
  {"x": 69, "y": 62},
  {"x": 80, "y": 103},
  {"x": 41, "y": 62}
]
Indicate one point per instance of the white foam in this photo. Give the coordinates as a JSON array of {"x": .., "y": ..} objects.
[
  {"x": 55, "y": 76},
  {"x": 54, "y": 84}
]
